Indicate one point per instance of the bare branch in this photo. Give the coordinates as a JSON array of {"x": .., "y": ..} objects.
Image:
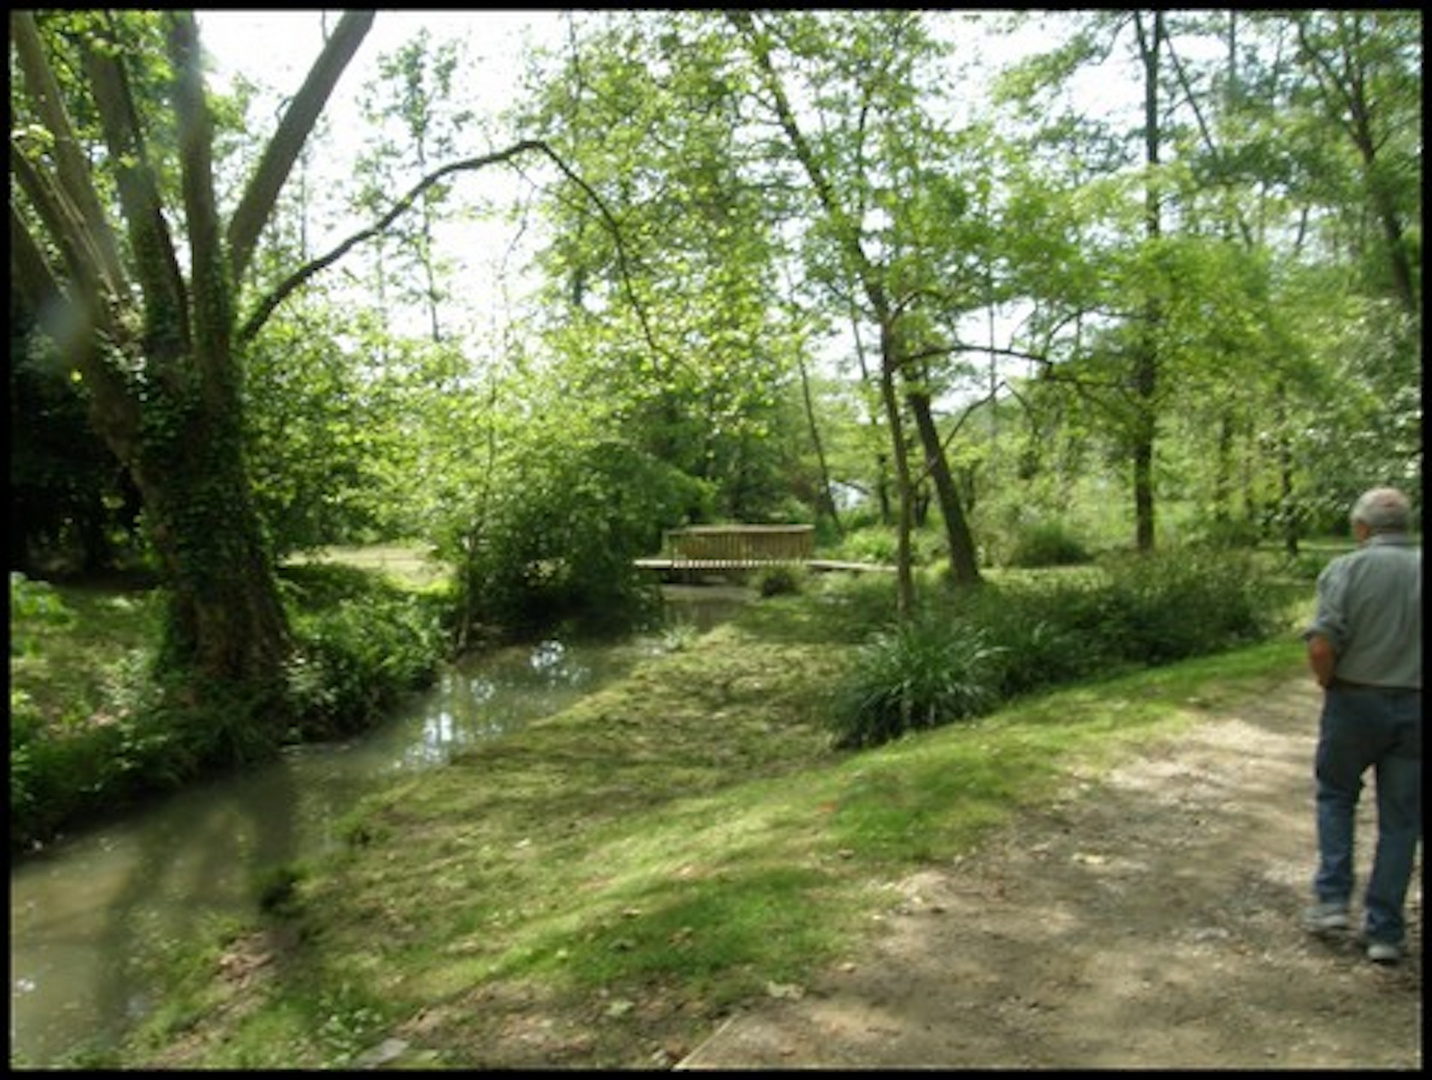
[
  {"x": 293, "y": 131},
  {"x": 155, "y": 261},
  {"x": 60, "y": 219},
  {"x": 212, "y": 314},
  {"x": 265, "y": 308}
]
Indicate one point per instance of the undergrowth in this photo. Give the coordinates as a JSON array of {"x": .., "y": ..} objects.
[
  {"x": 966, "y": 652},
  {"x": 97, "y": 725}
]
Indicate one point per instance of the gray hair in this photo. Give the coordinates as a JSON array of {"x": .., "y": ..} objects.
[{"x": 1382, "y": 510}]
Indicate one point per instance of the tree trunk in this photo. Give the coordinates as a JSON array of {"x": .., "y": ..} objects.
[
  {"x": 1287, "y": 497},
  {"x": 1146, "y": 360},
  {"x": 963, "y": 562},
  {"x": 156, "y": 352},
  {"x": 1223, "y": 471},
  {"x": 1144, "y": 489},
  {"x": 826, "y": 500},
  {"x": 226, "y": 622},
  {"x": 905, "y": 595}
]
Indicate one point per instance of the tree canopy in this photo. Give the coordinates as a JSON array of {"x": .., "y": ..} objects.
[{"x": 790, "y": 266}]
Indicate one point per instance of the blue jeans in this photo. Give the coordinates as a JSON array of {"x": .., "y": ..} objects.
[{"x": 1362, "y": 728}]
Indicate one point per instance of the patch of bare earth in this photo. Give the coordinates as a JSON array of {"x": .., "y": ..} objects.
[{"x": 1149, "y": 920}]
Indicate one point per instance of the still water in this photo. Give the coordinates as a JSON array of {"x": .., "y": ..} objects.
[{"x": 89, "y": 913}]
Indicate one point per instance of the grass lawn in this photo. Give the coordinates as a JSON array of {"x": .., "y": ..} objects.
[
  {"x": 600, "y": 888},
  {"x": 404, "y": 563},
  {"x": 67, "y": 661}
]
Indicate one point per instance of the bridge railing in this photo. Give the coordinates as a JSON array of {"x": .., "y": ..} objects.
[
  {"x": 739, "y": 545},
  {"x": 731, "y": 549}
]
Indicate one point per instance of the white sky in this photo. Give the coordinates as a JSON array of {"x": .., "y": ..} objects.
[
  {"x": 276, "y": 48},
  {"x": 279, "y": 46}
]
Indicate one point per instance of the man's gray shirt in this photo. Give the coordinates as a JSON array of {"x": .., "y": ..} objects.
[{"x": 1370, "y": 610}]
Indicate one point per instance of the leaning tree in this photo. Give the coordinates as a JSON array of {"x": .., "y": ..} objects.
[
  {"x": 145, "y": 318},
  {"x": 118, "y": 242}
]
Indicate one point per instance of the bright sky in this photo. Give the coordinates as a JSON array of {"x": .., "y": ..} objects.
[
  {"x": 276, "y": 48},
  {"x": 279, "y": 46}
]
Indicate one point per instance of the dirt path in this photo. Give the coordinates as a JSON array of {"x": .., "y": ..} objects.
[{"x": 1150, "y": 920}]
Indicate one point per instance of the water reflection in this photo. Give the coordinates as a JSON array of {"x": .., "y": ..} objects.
[
  {"x": 506, "y": 690},
  {"x": 85, "y": 914}
]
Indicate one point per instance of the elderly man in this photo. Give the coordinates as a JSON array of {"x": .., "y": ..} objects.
[{"x": 1365, "y": 650}]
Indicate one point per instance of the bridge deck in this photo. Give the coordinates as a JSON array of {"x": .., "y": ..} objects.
[
  {"x": 678, "y": 562},
  {"x": 718, "y": 548}
]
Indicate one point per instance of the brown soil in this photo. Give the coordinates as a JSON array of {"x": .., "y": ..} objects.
[{"x": 1148, "y": 920}]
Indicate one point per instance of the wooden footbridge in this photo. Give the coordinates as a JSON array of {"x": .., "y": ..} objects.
[{"x": 733, "y": 549}]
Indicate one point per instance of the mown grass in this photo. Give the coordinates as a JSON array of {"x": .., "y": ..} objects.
[
  {"x": 404, "y": 563},
  {"x": 65, "y": 659},
  {"x": 602, "y": 887}
]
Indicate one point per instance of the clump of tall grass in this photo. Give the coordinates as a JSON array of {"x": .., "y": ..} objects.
[
  {"x": 1048, "y": 543},
  {"x": 780, "y": 581},
  {"x": 915, "y": 675},
  {"x": 968, "y": 652}
]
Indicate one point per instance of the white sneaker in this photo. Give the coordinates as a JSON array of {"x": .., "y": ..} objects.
[
  {"x": 1383, "y": 952},
  {"x": 1324, "y": 918}
]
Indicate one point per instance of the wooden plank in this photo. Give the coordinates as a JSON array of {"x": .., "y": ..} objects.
[
  {"x": 741, "y": 542},
  {"x": 682, "y": 562},
  {"x": 665, "y": 562}
]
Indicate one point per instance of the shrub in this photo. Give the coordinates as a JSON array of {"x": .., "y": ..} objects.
[
  {"x": 1229, "y": 533},
  {"x": 25, "y": 723},
  {"x": 1309, "y": 563},
  {"x": 563, "y": 552},
  {"x": 872, "y": 544},
  {"x": 1048, "y": 543},
  {"x": 361, "y": 641},
  {"x": 922, "y": 674},
  {"x": 93, "y": 754},
  {"x": 1047, "y": 632},
  {"x": 32, "y": 604},
  {"x": 780, "y": 581},
  {"x": 107, "y": 727},
  {"x": 1185, "y": 602}
]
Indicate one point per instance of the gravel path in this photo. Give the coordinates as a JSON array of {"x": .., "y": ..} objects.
[{"x": 1148, "y": 920}]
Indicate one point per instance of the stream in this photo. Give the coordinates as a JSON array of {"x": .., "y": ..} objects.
[{"x": 90, "y": 912}]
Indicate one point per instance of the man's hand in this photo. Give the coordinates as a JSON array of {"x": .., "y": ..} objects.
[{"x": 1321, "y": 659}]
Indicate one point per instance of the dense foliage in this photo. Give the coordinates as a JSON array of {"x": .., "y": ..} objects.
[
  {"x": 894, "y": 273},
  {"x": 968, "y": 653},
  {"x": 72, "y": 508},
  {"x": 95, "y": 725},
  {"x": 712, "y": 313}
]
